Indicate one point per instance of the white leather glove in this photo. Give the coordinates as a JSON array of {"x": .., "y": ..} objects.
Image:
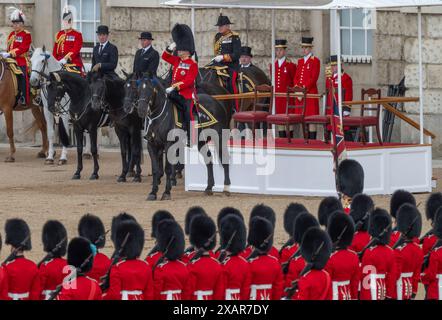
[
  {"x": 170, "y": 90},
  {"x": 219, "y": 58},
  {"x": 62, "y": 62},
  {"x": 5, "y": 55},
  {"x": 171, "y": 46},
  {"x": 346, "y": 113}
]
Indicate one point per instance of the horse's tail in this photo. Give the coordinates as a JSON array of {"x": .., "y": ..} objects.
[{"x": 64, "y": 137}]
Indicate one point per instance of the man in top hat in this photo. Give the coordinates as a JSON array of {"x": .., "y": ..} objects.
[
  {"x": 51, "y": 270},
  {"x": 18, "y": 46},
  {"x": 105, "y": 54},
  {"x": 350, "y": 181},
  {"x": 343, "y": 265},
  {"x": 22, "y": 274},
  {"x": 245, "y": 59},
  {"x": 227, "y": 51},
  {"x": 361, "y": 207},
  {"x": 79, "y": 286},
  {"x": 292, "y": 211},
  {"x": 155, "y": 254},
  {"x": 307, "y": 74},
  {"x": 68, "y": 44},
  {"x": 131, "y": 278},
  {"x": 409, "y": 254},
  {"x": 184, "y": 72},
  {"x": 170, "y": 274},
  {"x": 434, "y": 202},
  {"x": 399, "y": 198},
  {"x": 147, "y": 58}
]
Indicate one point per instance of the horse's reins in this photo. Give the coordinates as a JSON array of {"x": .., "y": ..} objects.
[
  {"x": 148, "y": 120},
  {"x": 3, "y": 69},
  {"x": 133, "y": 102},
  {"x": 104, "y": 106}
]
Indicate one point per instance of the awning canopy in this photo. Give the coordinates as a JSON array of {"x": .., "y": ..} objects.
[{"x": 303, "y": 4}]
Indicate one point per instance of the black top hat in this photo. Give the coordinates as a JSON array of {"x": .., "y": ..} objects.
[
  {"x": 307, "y": 42},
  {"x": 246, "y": 51},
  {"x": 146, "y": 36},
  {"x": 280, "y": 43},
  {"x": 334, "y": 60},
  {"x": 223, "y": 20},
  {"x": 102, "y": 30}
]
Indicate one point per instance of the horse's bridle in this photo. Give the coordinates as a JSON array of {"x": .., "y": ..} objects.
[
  {"x": 133, "y": 102},
  {"x": 149, "y": 119},
  {"x": 104, "y": 106}
]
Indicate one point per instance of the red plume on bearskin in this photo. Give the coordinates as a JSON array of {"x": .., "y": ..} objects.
[{"x": 182, "y": 35}]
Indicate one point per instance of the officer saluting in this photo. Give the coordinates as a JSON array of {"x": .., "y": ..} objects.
[
  {"x": 146, "y": 58},
  {"x": 105, "y": 55}
]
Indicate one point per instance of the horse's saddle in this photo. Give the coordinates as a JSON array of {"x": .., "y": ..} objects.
[
  {"x": 72, "y": 68},
  {"x": 203, "y": 117},
  {"x": 221, "y": 71}
]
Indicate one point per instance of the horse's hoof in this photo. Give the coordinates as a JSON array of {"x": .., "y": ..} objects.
[
  {"x": 131, "y": 174},
  {"x": 62, "y": 162},
  {"x": 137, "y": 179},
  {"x": 179, "y": 175},
  {"x": 94, "y": 176},
  {"x": 151, "y": 197},
  {"x": 10, "y": 159},
  {"x": 121, "y": 179},
  {"x": 76, "y": 176},
  {"x": 41, "y": 155},
  {"x": 208, "y": 192},
  {"x": 87, "y": 156},
  {"x": 49, "y": 162},
  {"x": 166, "y": 196}
]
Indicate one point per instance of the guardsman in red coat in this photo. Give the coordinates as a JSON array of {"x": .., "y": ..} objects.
[
  {"x": 221, "y": 214},
  {"x": 184, "y": 72},
  {"x": 350, "y": 182},
  {"x": 206, "y": 281},
  {"x": 52, "y": 269},
  {"x": 315, "y": 282},
  {"x": 79, "y": 286},
  {"x": 170, "y": 275},
  {"x": 155, "y": 254},
  {"x": 68, "y": 44},
  {"x": 409, "y": 254},
  {"x": 398, "y": 198},
  {"x": 432, "y": 267},
  {"x": 267, "y": 279},
  {"x": 194, "y": 211},
  {"x": 343, "y": 265},
  {"x": 296, "y": 263},
  {"x": 379, "y": 272},
  {"x": 292, "y": 211},
  {"x": 307, "y": 74},
  {"x": 361, "y": 207},
  {"x": 237, "y": 273},
  {"x": 92, "y": 228},
  {"x": 18, "y": 46},
  {"x": 3, "y": 279},
  {"x": 131, "y": 278},
  {"x": 434, "y": 202},
  {"x": 22, "y": 274}
]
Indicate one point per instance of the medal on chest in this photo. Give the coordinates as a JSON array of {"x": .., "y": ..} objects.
[
  {"x": 183, "y": 73},
  {"x": 70, "y": 38},
  {"x": 19, "y": 39}
]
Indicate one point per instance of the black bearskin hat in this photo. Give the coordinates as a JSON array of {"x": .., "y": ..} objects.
[
  {"x": 92, "y": 228},
  {"x": 203, "y": 232},
  {"x": 261, "y": 210},
  {"x": 303, "y": 222},
  {"x": 226, "y": 211},
  {"x": 341, "y": 229},
  {"x": 409, "y": 221},
  {"x": 135, "y": 241},
  {"x": 434, "y": 202},
  {"x": 170, "y": 239},
  {"x": 261, "y": 234},
  {"x": 233, "y": 230},
  {"x": 157, "y": 217},
  {"x": 192, "y": 213},
  {"x": 291, "y": 212},
  {"x": 316, "y": 247},
  {"x": 54, "y": 233},
  {"x": 398, "y": 198},
  {"x": 79, "y": 254},
  {"x": 17, "y": 231},
  {"x": 361, "y": 205},
  {"x": 182, "y": 35},
  {"x": 327, "y": 206},
  {"x": 437, "y": 223},
  {"x": 379, "y": 225},
  {"x": 124, "y": 216},
  {"x": 350, "y": 178}
]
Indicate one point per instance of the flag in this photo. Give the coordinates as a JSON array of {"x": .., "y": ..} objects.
[{"x": 339, "y": 149}]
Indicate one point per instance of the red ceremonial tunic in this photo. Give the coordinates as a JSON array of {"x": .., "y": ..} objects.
[
  {"x": 3, "y": 284},
  {"x": 153, "y": 258},
  {"x": 307, "y": 74},
  {"x": 295, "y": 268},
  {"x": 237, "y": 278},
  {"x": 360, "y": 241},
  {"x": 314, "y": 285},
  {"x": 395, "y": 236},
  {"x": 52, "y": 273},
  {"x": 428, "y": 243},
  {"x": 266, "y": 278},
  {"x": 130, "y": 280},
  {"x": 23, "y": 279},
  {"x": 190, "y": 254},
  {"x": 287, "y": 252},
  {"x": 432, "y": 276},
  {"x": 68, "y": 44},
  {"x": 170, "y": 279},
  {"x": 347, "y": 87},
  {"x": 343, "y": 268},
  {"x": 100, "y": 267},
  {"x": 409, "y": 261},
  {"x": 80, "y": 288},
  {"x": 284, "y": 76},
  {"x": 248, "y": 251},
  {"x": 206, "y": 281},
  {"x": 379, "y": 273},
  {"x": 184, "y": 74}
]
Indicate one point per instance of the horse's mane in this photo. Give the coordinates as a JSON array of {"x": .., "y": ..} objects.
[
  {"x": 80, "y": 92},
  {"x": 116, "y": 93}
]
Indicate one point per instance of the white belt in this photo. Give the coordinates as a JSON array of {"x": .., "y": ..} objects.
[
  {"x": 200, "y": 294},
  {"x": 18, "y": 296},
  {"x": 400, "y": 284},
  {"x": 374, "y": 285},
  {"x": 47, "y": 293},
  {"x": 230, "y": 293},
  {"x": 255, "y": 287},
  {"x": 126, "y": 293},
  {"x": 439, "y": 276},
  {"x": 170, "y": 293},
  {"x": 336, "y": 285}
]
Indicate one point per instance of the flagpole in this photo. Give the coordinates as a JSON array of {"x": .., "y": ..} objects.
[{"x": 338, "y": 35}]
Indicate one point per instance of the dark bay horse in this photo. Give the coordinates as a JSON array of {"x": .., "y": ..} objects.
[
  {"x": 108, "y": 95},
  {"x": 154, "y": 105},
  {"x": 7, "y": 103}
]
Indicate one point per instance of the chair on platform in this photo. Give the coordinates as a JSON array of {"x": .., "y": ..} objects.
[
  {"x": 289, "y": 119},
  {"x": 364, "y": 121},
  {"x": 257, "y": 114}
]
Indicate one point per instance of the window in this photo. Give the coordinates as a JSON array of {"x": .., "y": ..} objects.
[
  {"x": 357, "y": 34},
  {"x": 87, "y": 16}
]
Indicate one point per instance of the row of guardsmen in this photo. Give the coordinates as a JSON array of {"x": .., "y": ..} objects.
[{"x": 363, "y": 253}]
